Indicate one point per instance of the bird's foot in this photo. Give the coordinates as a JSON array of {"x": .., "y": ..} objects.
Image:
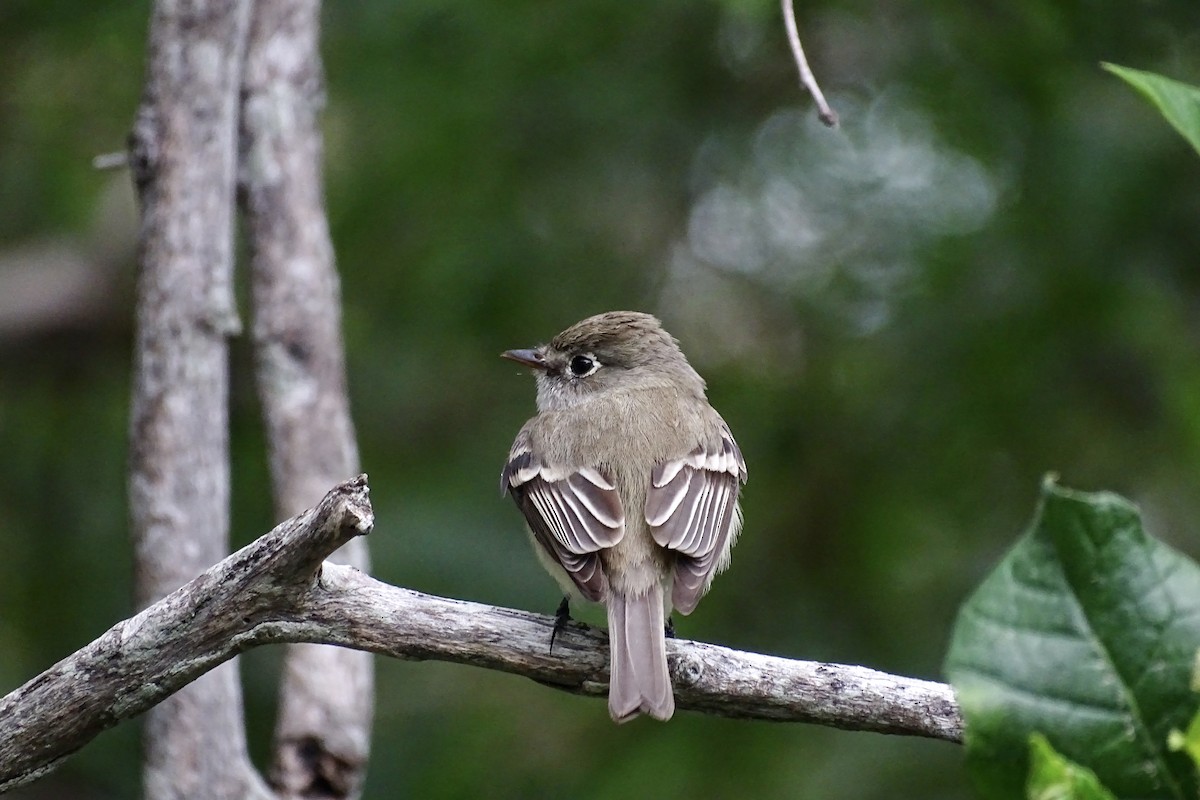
[
  {"x": 670, "y": 628},
  {"x": 561, "y": 618}
]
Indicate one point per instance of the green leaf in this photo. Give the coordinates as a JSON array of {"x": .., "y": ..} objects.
[
  {"x": 1085, "y": 632},
  {"x": 1188, "y": 740},
  {"x": 1178, "y": 102},
  {"x": 1054, "y": 777}
]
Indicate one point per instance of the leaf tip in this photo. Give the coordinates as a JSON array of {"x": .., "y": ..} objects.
[{"x": 1102, "y": 501}]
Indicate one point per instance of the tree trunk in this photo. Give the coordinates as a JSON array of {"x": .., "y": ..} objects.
[
  {"x": 322, "y": 739},
  {"x": 183, "y": 155}
]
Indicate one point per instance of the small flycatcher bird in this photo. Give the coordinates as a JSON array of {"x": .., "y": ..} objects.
[{"x": 629, "y": 481}]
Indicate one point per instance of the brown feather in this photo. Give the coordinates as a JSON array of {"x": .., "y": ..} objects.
[{"x": 639, "y": 679}]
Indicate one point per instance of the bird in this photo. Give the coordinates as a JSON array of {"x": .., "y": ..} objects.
[{"x": 629, "y": 483}]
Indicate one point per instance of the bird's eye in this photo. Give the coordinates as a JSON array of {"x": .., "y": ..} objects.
[{"x": 582, "y": 366}]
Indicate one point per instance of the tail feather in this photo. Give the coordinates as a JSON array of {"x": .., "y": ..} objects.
[{"x": 639, "y": 681}]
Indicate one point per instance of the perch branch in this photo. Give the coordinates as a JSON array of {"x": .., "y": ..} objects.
[
  {"x": 354, "y": 610},
  {"x": 277, "y": 590}
]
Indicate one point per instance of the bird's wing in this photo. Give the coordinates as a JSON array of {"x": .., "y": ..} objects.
[
  {"x": 692, "y": 509},
  {"x": 573, "y": 514}
]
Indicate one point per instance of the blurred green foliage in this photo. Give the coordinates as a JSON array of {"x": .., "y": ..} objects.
[
  {"x": 1054, "y": 777},
  {"x": 987, "y": 273}
]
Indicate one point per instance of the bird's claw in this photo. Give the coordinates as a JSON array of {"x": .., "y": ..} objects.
[{"x": 561, "y": 618}]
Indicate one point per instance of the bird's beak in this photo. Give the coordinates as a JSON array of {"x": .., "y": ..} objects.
[{"x": 530, "y": 358}]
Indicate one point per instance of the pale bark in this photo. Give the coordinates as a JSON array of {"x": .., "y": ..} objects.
[
  {"x": 277, "y": 590},
  {"x": 322, "y": 737},
  {"x": 182, "y": 153},
  {"x": 141, "y": 661}
]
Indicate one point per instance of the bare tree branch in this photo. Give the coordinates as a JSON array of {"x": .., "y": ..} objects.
[
  {"x": 322, "y": 738},
  {"x": 143, "y": 660},
  {"x": 183, "y": 155},
  {"x": 277, "y": 590}
]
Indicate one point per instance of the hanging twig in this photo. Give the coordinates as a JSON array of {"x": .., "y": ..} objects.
[{"x": 826, "y": 114}]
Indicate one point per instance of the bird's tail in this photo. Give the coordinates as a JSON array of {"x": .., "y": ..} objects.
[{"x": 639, "y": 681}]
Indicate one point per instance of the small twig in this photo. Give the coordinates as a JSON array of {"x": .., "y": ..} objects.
[
  {"x": 107, "y": 161},
  {"x": 826, "y": 114}
]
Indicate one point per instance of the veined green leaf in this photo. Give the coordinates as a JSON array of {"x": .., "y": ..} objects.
[{"x": 1086, "y": 632}]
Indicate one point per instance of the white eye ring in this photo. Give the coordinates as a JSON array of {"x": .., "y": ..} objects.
[{"x": 583, "y": 365}]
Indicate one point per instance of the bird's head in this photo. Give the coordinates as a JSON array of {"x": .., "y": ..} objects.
[{"x": 614, "y": 351}]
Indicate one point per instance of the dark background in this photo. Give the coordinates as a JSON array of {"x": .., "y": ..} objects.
[{"x": 989, "y": 272}]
